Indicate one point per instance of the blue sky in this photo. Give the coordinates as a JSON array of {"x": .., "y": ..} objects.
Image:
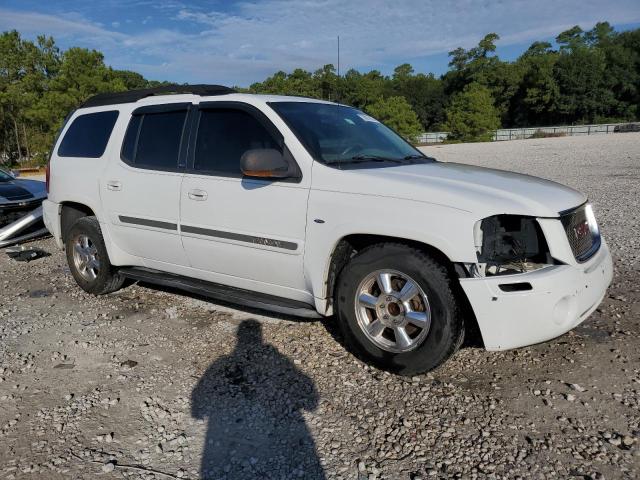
[{"x": 240, "y": 42}]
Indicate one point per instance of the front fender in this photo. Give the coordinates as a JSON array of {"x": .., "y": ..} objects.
[{"x": 335, "y": 215}]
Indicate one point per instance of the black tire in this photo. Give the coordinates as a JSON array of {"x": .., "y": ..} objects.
[
  {"x": 107, "y": 278},
  {"x": 446, "y": 332}
]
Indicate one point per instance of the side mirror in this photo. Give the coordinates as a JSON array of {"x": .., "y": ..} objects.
[{"x": 264, "y": 163}]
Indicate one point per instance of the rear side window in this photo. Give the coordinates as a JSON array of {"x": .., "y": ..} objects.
[
  {"x": 223, "y": 137},
  {"x": 88, "y": 135},
  {"x": 153, "y": 140}
]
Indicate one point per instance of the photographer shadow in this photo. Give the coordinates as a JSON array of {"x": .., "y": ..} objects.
[{"x": 253, "y": 400}]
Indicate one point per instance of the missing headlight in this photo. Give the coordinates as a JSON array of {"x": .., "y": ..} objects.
[{"x": 508, "y": 244}]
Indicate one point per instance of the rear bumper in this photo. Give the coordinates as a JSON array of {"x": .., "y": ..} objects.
[
  {"x": 561, "y": 297},
  {"x": 51, "y": 217}
]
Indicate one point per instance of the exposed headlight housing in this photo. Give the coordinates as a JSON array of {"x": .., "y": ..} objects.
[{"x": 509, "y": 244}]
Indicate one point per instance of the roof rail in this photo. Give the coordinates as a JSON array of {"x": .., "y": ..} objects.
[{"x": 135, "y": 95}]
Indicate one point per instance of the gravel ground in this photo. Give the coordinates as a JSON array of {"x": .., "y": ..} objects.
[{"x": 148, "y": 384}]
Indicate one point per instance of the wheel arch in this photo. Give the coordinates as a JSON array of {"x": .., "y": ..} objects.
[
  {"x": 350, "y": 244},
  {"x": 70, "y": 213}
]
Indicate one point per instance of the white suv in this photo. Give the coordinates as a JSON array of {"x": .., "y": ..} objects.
[{"x": 313, "y": 208}]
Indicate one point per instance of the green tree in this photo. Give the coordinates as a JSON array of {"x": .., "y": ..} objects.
[
  {"x": 480, "y": 65},
  {"x": 535, "y": 102},
  {"x": 39, "y": 86},
  {"x": 472, "y": 115},
  {"x": 276, "y": 84},
  {"x": 402, "y": 72},
  {"x": 397, "y": 114},
  {"x": 622, "y": 72},
  {"x": 131, "y": 80},
  {"x": 425, "y": 94},
  {"x": 327, "y": 82},
  {"x": 363, "y": 90},
  {"x": 25, "y": 71},
  {"x": 580, "y": 72},
  {"x": 571, "y": 39},
  {"x": 628, "y": 91},
  {"x": 299, "y": 82}
]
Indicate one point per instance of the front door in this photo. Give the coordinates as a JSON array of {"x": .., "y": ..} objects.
[{"x": 236, "y": 230}]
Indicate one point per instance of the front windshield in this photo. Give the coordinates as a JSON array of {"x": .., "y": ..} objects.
[
  {"x": 335, "y": 134},
  {"x": 4, "y": 175}
]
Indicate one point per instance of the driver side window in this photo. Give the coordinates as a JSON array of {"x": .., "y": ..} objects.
[{"x": 224, "y": 135}]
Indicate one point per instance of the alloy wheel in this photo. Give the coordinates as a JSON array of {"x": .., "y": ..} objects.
[
  {"x": 393, "y": 311},
  {"x": 85, "y": 258}
]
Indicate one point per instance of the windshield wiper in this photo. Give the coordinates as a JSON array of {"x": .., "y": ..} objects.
[
  {"x": 417, "y": 156},
  {"x": 370, "y": 158}
]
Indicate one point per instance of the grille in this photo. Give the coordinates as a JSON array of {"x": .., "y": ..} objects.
[
  {"x": 582, "y": 232},
  {"x": 15, "y": 211}
]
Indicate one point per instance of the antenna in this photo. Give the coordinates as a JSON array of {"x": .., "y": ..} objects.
[{"x": 338, "y": 55}]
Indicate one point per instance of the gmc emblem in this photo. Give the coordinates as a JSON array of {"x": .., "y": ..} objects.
[{"x": 581, "y": 230}]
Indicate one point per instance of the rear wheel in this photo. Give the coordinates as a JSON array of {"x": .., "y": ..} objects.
[
  {"x": 88, "y": 259},
  {"x": 397, "y": 310}
]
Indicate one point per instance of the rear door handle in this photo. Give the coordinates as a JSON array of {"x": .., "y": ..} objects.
[
  {"x": 114, "y": 185},
  {"x": 198, "y": 195}
]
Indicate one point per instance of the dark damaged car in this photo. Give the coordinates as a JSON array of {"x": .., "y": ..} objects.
[{"x": 20, "y": 208}]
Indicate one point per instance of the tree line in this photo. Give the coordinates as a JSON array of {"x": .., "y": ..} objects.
[
  {"x": 40, "y": 85},
  {"x": 587, "y": 77}
]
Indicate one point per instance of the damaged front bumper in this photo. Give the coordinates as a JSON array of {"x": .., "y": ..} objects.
[
  {"x": 518, "y": 310},
  {"x": 21, "y": 221}
]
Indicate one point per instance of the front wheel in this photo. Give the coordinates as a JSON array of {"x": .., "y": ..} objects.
[
  {"x": 88, "y": 259},
  {"x": 397, "y": 310}
]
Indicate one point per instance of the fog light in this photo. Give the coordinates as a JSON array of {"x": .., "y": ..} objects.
[{"x": 564, "y": 310}]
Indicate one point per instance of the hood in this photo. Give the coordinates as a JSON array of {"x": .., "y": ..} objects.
[
  {"x": 19, "y": 190},
  {"x": 479, "y": 190}
]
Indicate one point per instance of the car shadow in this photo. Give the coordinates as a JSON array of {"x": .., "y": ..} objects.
[{"x": 252, "y": 401}]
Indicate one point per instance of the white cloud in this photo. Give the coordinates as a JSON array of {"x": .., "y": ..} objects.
[
  {"x": 70, "y": 25},
  {"x": 259, "y": 38}
]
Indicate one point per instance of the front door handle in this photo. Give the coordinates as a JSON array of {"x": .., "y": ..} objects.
[
  {"x": 114, "y": 185},
  {"x": 198, "y": 195}
]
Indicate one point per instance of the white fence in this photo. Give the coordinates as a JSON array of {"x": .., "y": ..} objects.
[{"x": 521, "y": 133}]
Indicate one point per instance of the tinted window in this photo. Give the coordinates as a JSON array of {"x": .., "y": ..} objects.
[
  {"x": 223, "y": 137},
  {"x": 130, "y": 139},
  {"x": 88, "y": 135},
  {"x": 159, "y": 137}
]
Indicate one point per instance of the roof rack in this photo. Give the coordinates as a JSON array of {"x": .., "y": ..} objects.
[{"x": 135, "y": 95}]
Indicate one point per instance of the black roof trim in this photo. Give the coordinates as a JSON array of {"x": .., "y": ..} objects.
[{"x": 135, "y": 95}]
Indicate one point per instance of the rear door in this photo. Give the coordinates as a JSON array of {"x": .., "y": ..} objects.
[
  {"x": 241, "y": 231},
  {"x": 141, "y": 190}
]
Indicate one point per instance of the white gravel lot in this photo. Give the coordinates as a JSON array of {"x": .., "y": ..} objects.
[{"x": 150, "y": 384}]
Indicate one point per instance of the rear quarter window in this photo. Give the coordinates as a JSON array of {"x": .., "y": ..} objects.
[{"x": 88, "y": 135}]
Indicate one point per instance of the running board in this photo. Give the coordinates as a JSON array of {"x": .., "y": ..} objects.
[{"x": 223, "y": 293}]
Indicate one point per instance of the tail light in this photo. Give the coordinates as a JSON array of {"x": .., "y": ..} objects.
[
  {"x": 48, "y": 175},
  {"x": 55, "y": 142}
]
